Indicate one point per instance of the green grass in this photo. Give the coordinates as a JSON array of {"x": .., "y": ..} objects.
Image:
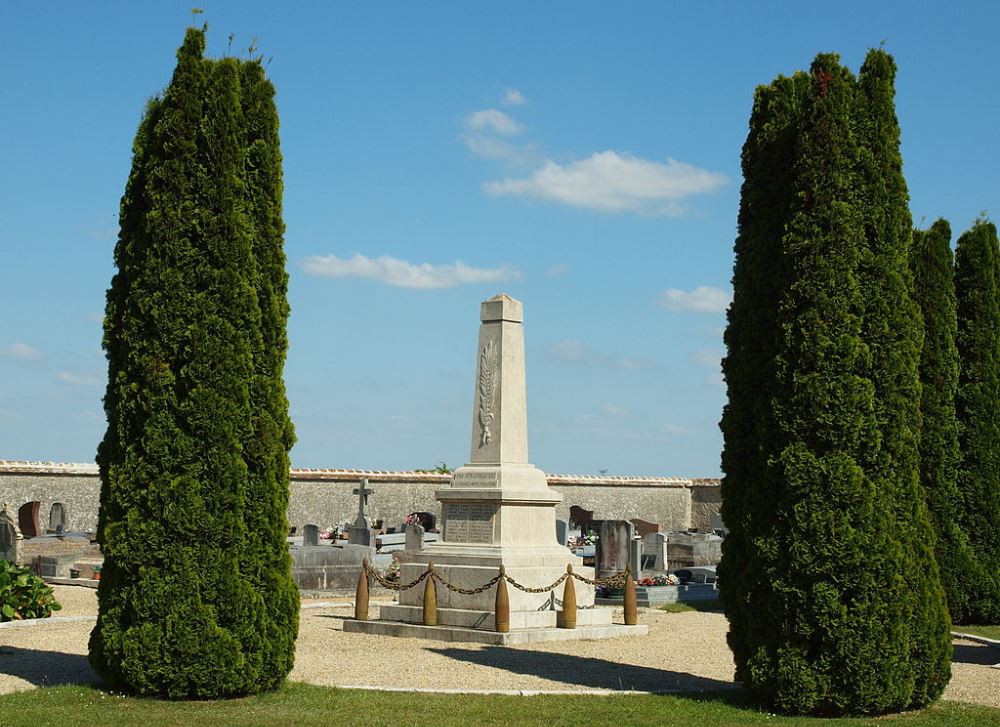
[
  {"x": 990, "y": 632},
  {"x": 714, "y": 606},
  {"x": 302, "y": 704}
]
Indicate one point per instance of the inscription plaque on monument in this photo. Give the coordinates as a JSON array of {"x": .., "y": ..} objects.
[{"x": 468, "y": 522}]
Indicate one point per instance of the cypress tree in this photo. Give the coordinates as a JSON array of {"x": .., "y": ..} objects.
[
  {"x": 932, "y": 266},
  {"x": 816, "y": 577},
  {"x": 894, "y": 332},
  {"x": 196, "y": 599},
  {"x": 977, "y": 288}
]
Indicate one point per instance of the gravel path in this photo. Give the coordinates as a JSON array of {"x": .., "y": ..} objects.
[{"x": 685, "y": 651}]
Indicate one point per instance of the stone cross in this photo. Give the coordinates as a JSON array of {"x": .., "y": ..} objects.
[{"x": 362, "y": 492}]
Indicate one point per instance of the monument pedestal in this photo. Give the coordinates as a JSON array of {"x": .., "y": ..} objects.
[{"x": 498, "y": 511}]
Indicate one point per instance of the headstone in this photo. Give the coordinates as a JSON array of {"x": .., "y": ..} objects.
[
  {"x": 644, "y": 528},
  {"x": 10, "y": 536},
  {"x": 654, "y": 552},
  {"x": 27, "y": 519},
  {"x": 427, "y": 520},
  {"x": 614, "y": 546},
  {"x": 562, "y": 531},
  {"x": 360, "y": 533},
  {"x": 414, "y": 537},
  {"x": 635, "y": 557},
  {"x": 310, "y": 534},
  {"x": 57, "y": 518},
  {"x": 580, "y": 518}
]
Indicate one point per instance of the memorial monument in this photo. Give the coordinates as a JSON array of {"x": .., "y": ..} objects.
[{"x": 498, "y": 511}]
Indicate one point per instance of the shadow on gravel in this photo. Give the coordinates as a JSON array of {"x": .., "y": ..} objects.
[
  {"x": 987, "y": 655},
  {"x": 46, "y": 668},
  {"x": 585, "y": 671}
]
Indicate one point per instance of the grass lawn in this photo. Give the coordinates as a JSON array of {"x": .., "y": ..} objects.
[
  {"x": 715, "y": 606},
  {"x": 302, "y": 704},
  {"x": 990, "y": 632}
]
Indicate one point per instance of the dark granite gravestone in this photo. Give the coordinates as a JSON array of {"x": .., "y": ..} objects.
[
  {"x": 426, "y": 520},
  {"x": 580, "y": 518},
  {"x": 27, "y": 519},
  {"x": 614, "y": 548},
  {"x": 310, "y": 534},
  {"x": 643, "y": 528},
  {"x": 57, "y": 518}
]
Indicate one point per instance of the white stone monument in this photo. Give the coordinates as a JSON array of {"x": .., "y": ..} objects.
[{"x": 499, "y": 510}]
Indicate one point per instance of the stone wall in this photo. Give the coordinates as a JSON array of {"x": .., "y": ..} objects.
[
  {"x": 706, "y": 499},
  {"x": 325, "y": 497}
]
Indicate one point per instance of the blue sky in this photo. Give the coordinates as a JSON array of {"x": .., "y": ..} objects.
[{"x": 581, "y": 156}]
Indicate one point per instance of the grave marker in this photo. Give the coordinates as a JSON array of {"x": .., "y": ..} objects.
[
  {"x": 310, "y": 534},
  {"x": 10, "y": 536},
  {"x": 57, "y": 518},
  {"x": 27, "y": 519},
  {"x": 614, "y": 548}
]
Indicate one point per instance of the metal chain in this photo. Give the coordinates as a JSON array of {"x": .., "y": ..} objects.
[
  {"x": 555, "y": 585},
  {"x": 464, "y": 591},
  {"x": 393, "y": 585},
  {"x": 616, "y": 580}
]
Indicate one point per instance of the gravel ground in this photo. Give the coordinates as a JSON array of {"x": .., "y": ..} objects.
[{"x": 685, "y": 651}]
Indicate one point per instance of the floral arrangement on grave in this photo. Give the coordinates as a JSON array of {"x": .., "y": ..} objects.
[
  {"x": 331, "y": 533},
  {"x": 411, "y": 519},
  {"x": 659, "y": 580}
]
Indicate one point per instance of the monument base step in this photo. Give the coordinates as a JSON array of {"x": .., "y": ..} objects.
[
  {"x": 481, "y": 636},
  {"x": 467, "y": 618}
]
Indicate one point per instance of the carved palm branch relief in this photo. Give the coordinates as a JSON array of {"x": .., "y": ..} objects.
[{"x": 489, "y": 383}]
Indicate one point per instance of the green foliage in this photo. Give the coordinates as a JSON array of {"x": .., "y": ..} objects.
[
  {"x": 934, "y": 290},
  {"x": 23, "y": 595},
  {"x": 977, "y": 287},
  {"x": 196, "y": 598},
  {"x": 828, "y": 577}
]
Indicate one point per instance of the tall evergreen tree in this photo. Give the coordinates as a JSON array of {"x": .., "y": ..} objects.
[
  {"x": 816, "y": 578},
  {"x": 932, "y": 266},
  {"x": 977, "y": 288},
  {"x": 197, "y": 597},
  {"x": 893, "y": 330}
]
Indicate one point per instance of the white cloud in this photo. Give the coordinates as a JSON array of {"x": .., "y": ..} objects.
[
  {"x": 613, "y": 410},
  {"x": 557, "y": 271},
  {"x": 513, "y": 97},
  {"x": 579, "y": 352},
  {"x": 77, "y": 379},
  {"x": 403, "y": 274},
  {"x": 703, "y": 299},
  {"x": 20, "y": 350},
  {"x": 611, "y": 182},
  {"x": 493, "y": 120},
  {"x": 711, "y": 358}
]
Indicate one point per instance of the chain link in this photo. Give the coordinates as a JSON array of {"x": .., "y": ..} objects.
[
  {"x": 465, "y": 591},
  {"x": 393, "y": 585}
]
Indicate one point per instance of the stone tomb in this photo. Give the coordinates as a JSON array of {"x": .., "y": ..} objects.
[{"x": 499, "y": 510}]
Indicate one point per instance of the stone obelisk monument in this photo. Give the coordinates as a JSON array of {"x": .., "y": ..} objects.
[{"x": 499, "y": 509}]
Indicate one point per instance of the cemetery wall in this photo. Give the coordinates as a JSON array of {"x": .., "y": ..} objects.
[
  {"x": 706, "y": 499},
  {"x": 325, "y": 497}
]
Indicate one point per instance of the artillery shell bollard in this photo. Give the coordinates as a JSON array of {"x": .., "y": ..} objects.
[
  {"x": 569, "y": 600},
  {"x": 631, "y": 610},
  {"x": 361, "y": 595},
  {"x": 501, "y": 615},
  {"x": 430, "y": 598}
]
